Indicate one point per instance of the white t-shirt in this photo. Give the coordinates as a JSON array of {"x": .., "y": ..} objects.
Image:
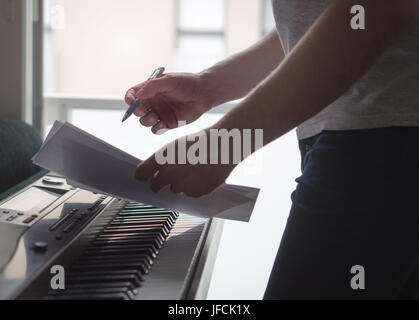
[{"x": 387, "y": 96}]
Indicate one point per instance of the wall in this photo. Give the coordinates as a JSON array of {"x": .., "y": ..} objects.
[
  {"x": 105, "y": 39},
  {"x": 244, "y": 24},
  {"x": 11, "y": 59},
  {"x": 94, "y": 53}
]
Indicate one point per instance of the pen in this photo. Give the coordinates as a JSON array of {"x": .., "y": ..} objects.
[{"x": 156, "y": 74}]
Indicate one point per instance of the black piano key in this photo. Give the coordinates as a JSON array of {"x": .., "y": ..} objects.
[
  {"x": 128, "y": 215},
  {"x": 166, "y": 217},
  {"x": 104, "y": 266},
  {"x": 100, "y": 278},
  {"x": 111, "y": 257},
  {"x": 169, "y": 224},
  {"x": 138, "y": 228},
  {"x": 130, "y": 203},
  {"x": 150, "y": 240},
  {"x": 111, "y": 266},
  {"x": 139, "y": 212},
  {"x": 87, "y": 296},
  {"x": 132, "y": 236},
  {"x": 125, "y": 247},
  {"x": 122, "y": 251},
  {"x": 103, "y": 273},
  {"x": 128, "y": 235},
  {"x": 115, "y": 259},
  {"x": 95, "y": 285},
  {"x": 144, "y": 223},
  {"x": 139, "y": 205},
  {"x": 142, "y": 230},
  {"x": 142, "y": 209},
  {"x": 146, "y": 216},
  {"x": 141, "y": 222},
  {"x": 72, "y": 292},
  {"x": 155, "y": 228}
]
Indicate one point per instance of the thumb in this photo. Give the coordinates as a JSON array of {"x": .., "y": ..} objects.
[{"x": 156, "y": 86}]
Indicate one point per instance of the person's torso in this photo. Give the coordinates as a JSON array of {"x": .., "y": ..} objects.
[{"x": 388, "y": 95}]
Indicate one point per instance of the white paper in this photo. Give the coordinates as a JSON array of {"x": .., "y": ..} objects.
[{"x": 89, "y": 163}]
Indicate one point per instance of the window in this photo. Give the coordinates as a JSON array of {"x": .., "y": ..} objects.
[
  {"x": 268, "y": 20},
  {"x": 200, "y": 34}
]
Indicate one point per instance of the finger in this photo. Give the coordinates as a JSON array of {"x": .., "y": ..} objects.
[
  {"x": 130, "y": 95},
  {"x": 159, "y": 181},
  {"x": 177, "y": 187},
  {"x": 146, "y": 169},
  {"x": 143, "y": 109},
  {"x": 155, "y": 86},
  {"x": 165, "y": 112},
  {"x": 150, "y": 120},
  {"x": 160, "y": 128},
  {"x": 193, "y": 193}
]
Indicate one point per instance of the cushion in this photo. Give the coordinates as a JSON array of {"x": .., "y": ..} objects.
[{"x": 19, "y": 142}]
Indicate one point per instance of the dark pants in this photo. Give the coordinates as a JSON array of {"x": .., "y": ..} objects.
[{"x": 356, "y": 204}]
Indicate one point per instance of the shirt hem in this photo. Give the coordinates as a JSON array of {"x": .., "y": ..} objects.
[{"x": 366, "y": 122}]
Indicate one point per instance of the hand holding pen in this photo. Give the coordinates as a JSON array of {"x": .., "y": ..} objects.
[
  {"x": 162, "y": 102},
  {"x": 134, "y": 105}
]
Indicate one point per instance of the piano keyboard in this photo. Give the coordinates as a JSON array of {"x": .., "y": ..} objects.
[
  {"x": 122, "y": 252},
  {"x": 108, "y": 248}
]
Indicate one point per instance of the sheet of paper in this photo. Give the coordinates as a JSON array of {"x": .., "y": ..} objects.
[{"x": 92, "y": 164}]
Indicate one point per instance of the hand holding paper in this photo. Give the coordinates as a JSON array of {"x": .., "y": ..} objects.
[
  {"x": 92, "y": 164},
  {"x": 185, "y": 166}
]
